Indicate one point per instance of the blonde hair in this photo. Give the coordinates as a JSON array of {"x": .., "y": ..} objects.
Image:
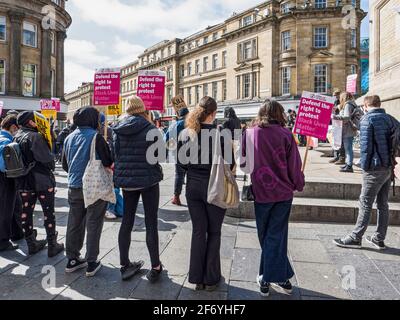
[
  {"x": 198, "y": 115},
  {"x": 344, "y": 97},
  {"x": 135, "y": 106}
]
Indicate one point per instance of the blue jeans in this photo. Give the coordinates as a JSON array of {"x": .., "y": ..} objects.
[
  {"x": 348, "y": 148},
  {"x": 179, "y": 179},
  {"x": 272, "y": 225},
  {"x": 118, "y": 208}
]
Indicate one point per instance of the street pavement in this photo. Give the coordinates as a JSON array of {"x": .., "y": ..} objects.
[{"x": 323, "y": 271}]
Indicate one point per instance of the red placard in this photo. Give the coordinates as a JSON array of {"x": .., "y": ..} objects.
[
  {"x": 151, "y": 89},
  {"x": 107, "y": 86},
  {"x": 314, "y": 115}
]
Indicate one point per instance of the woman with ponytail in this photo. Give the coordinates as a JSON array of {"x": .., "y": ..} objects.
[{"x": 207, "y": 219}]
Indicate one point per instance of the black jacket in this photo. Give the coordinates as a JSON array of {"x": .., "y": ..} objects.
[
  {"x": 131, "y": 168},
  {"x": 34, "y": 148},
  {"x": 233, "y": 122}
]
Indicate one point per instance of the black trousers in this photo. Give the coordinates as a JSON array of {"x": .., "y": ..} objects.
[
  {"x": 8, "y": 194},
  {"x": 46, "y": 199},
  {"x": 207, "y": 219},
  {"x": 151, "y": 201},
  {"x": 16, "y": 224}
]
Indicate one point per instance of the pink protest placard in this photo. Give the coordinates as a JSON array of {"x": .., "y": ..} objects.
[
  {"x": 107, "y": 86},
  {"x": 1, "y": 107},
  {"x": 314, "y": 115},
  {"x": 50, "y": 104},
  {"x": 151, "y": 88},
  {"x": 351, "y": 85}
]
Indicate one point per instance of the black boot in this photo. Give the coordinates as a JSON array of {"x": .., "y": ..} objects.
[
  {"x": 54, "y": 248},
  {"x": 34, "y": 246}
]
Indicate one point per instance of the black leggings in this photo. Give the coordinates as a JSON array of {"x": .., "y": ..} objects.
[
  {"x": 151, "y": 200},
  {"x": 46, "y": 199}
]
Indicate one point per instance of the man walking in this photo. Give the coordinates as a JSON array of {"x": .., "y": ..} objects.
[
  {"x": 8, "y": 190},
  {"x": 376, "y": 129},
  {"x": 75, "y": 160}
]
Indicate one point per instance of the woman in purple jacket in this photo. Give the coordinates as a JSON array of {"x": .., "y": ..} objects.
[{"x": 275, "y": 173}]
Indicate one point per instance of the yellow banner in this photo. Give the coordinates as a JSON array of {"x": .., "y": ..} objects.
[
  {"x": 43, "y": 126},
  {"x": 50, "y": 114},
  {"x": 115, "y": 110}
]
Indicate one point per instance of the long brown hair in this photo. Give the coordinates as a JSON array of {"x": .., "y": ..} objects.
[
  {"x": 344, "y": 97},
  {"x": 198, "y": 115},
  {"x": 271, "y": 112}
]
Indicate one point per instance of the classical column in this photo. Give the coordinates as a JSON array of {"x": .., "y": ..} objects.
[
  {"x": 61, "y": 36},
  {"x": 45, "y": 66},
  {"x": 15, "y": 77}
]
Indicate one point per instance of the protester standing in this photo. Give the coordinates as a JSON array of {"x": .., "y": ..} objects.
[
  {"x": 376, "y": 129},
  {"x": 76, "y": 157},
  {"x": 276, "y": 174},
  {"x": 347, "y": 109},
  {"x": 207, "y": 219},
  {"x": 38, "y": 184},
  {"x": 8, "y": 191},
  {"x": 138, "y": 178},
  {"x": 171, "y": 137}
]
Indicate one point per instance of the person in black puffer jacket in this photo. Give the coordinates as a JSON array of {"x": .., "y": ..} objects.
[
  {"x": 38, "y": 184},
  {"x": 137, "y": 177}
]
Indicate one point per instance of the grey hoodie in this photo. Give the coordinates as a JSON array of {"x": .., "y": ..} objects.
[{"x": 345, "y": 115}]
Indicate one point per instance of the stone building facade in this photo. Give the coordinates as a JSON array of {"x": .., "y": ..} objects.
[
  {"x": 385, "y": 53},
  {"x": 82, "y": 97},
  {"x": 277, "y": 49},
  {"x": 32, "y": 35}
]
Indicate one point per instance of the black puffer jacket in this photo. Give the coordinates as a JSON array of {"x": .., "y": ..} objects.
[
  {"x": 131, "y": 168},
  {"x": 34, "y": 148}
]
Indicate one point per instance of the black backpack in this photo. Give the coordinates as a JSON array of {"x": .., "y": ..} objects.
[
  {"x": 14, "y": 161},
  {"x": 395, "y": 148},
  {"x": 356, "y": 117}
]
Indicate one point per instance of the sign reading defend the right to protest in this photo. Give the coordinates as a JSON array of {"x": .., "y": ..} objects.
[
  {"x": 107, "y": 83},
  {"x": 151, "y": 87},
  {"x": 314, "y": 115}
]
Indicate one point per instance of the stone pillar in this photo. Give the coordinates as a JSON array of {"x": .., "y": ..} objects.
[
  {"x": 61, "y": 36},
  {"x": 45, "y": 66},
  {"x": 14, "y": 84}
]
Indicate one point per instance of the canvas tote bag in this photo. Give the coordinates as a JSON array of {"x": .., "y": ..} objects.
[
  {"x": 97, "y": 181},
  {"x": 223, "y": 190}
]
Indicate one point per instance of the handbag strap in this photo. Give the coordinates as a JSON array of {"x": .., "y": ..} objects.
[{"x": 93, "y": 148}]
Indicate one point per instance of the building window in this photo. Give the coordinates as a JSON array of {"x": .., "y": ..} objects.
[
  {"x": 353, "y": 38},
  {"x": 189, "y": 96},
  {"x": 215, "y": 61},
  {"x": 197, "y": 94},
  {"x": 169, "y": 74},
  {"x": 53, "y": 83},
  {"x": 320, "y": 37},
  {"x": 224, "y": 59},
  {"x": 134, "y": 84},
  {"x": 353, "y": 69},
  {"x": 285, "y": 80},
  {"x": 285, "y": 7},
  {"x": 254, "y": 85},
  {"x": 238, "y": 87},
  {"x": 205, "y": 64},
  {"x": 182, "y": 71},
  {"x": 2, "y": 76},
  {"x": 189, "y": 68},
  {"x": 246, "y": 85},
  {"x": 224, "y": 90},
  {"x": 197, "y": 43},
  {"x": 354, "y": 3},
  {"x": 248, "y": 20},
  {"x": 320, "y": 4},
  {"x": 29, "y": 80},
  {"x": 215, "y": 36},
  {"x": 169, "y": 51},
  {"x": 30, "y": 34},
  {"x": 247, "y": 50},
  {"x": 215, "y": 90},
  {"x": 197, "y": 66},
  {"x": 162, "y": 53},
  {"x": 169, "y": 95},
  {"x": 205, "y": 90},
  {"x": 53, "y": 43},
  {"x": 320, "y": 78},
  {"x": 205, "y": 40},
  {"x": 286, "y": 41},
  {"x": 3, "y": 28}
]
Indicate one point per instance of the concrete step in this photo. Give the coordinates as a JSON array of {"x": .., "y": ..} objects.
[
  {"x": 334, "y": 190},
  {"x": 320, "y": 210}
]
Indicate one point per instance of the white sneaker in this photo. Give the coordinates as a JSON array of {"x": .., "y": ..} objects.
[{"x": 110, "y": 216}]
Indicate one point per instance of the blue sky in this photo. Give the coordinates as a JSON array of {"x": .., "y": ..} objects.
[{"x": 111, "y": 33}]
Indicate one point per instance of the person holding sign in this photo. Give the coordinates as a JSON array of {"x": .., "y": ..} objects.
[
  {"x": 275, "y": 175},
  {"x": 38, "y": 184}
]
